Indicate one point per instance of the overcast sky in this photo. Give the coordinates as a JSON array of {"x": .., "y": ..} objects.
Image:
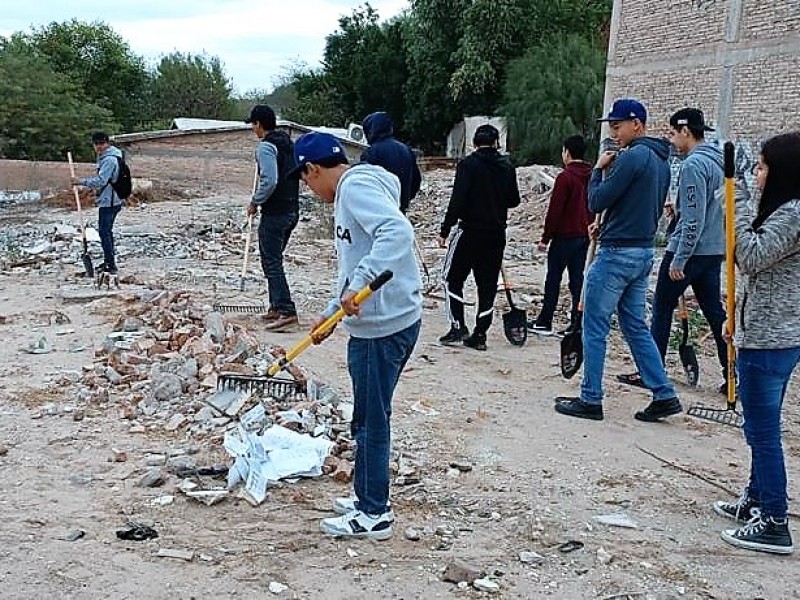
[{"x": 255, "y": 39}]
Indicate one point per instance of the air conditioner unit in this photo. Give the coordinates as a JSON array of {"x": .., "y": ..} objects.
[{"x": 356, "y": 132}]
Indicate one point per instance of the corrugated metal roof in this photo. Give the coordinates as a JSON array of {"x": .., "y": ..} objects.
[{"x": 189, "y": 124}]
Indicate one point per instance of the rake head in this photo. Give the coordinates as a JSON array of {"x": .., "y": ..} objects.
[
  {"x": 274, "y": 387},
  {"x": 724, "y": 416},
  {"x": 253, "y": 309}
]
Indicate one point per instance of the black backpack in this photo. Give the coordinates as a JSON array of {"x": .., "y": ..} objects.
[{"x": 123, "y": 185}]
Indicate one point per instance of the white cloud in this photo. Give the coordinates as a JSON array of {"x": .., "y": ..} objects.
[{"x": 253, "y": 39}]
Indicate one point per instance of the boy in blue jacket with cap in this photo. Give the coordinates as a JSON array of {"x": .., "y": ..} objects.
[
  {"x": 631, "y": 197},
  {"x": 372, "y": 236}
]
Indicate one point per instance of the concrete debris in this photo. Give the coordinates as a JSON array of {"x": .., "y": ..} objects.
[
  {"x": 617, "y": 520},
  {"x": 186, "y": 555},
  {"x": 486, "y": 585},
  {"x": 530, "y": 558},
  {"x": 40, "y": 346},
  {"x": 153, "y": 478},
  {"x": 277, "y": 588},
  {"x": 458, "y": 570}
]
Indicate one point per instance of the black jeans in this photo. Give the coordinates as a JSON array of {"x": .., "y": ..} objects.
[
  {"x": 479, "y": 252},
  {"x": 273, "y": 235},
  {"x": 702, "y": 273},
  {"x": 564, "y": 253},
  {"x": 106, "y": 216}
]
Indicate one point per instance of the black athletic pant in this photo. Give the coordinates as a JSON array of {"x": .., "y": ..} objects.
[{"x": 481, "y": 253}]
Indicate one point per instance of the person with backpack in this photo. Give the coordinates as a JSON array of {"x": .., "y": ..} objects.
[
  {"x": 112, "y": 185},
  {"x": 393, "y": 155},
  {"x": 278, "y": 197}
]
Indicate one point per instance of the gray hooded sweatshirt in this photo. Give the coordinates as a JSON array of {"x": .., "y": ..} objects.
[
  {"x": 769, "y": 290},
  {"x": 372, "y": 236},
  {"x": 700, "y": 228},
  {"x": 107, "y": 171}
]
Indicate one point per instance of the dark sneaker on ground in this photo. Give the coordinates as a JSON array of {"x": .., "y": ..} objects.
[
  {"x": 633, "y": 379},
  {"x": 343, "y": 506},
  {"x": 284, "y": 324},
  {"x": 575, "y": 407},
  {"x": 271, "y": 315},
  {"x": 762, "y": 535},
  {"x": 659, "y": 409},
  {"x": 454, "y": 336},
  {"x": 476, "y": 341},
  {"x": 540, "y": 329},
  {"x": 741, "y": 511},
  {"x": 358, "y": 524}
]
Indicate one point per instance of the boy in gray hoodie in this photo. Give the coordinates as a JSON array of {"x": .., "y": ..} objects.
[
  {"x": 372, "y": 236},
  {"x": 697, "y": 244}
]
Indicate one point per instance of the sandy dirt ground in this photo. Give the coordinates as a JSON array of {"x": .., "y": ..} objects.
[{"x": 537, "y": 479}]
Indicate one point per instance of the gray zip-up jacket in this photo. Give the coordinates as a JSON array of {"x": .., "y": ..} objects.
[
  {"x": 768, "y": 303},
  {"x": 698, "y": 208},
  {"x": 107, "y": 171}
]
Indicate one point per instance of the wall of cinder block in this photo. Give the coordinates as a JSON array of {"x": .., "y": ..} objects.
[{"x": 737, "y": 60}]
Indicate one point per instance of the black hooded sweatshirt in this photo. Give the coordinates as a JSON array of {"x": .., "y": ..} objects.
[
  {"x": 284, "y": 198},
  {"x": 484, "y": 189}
]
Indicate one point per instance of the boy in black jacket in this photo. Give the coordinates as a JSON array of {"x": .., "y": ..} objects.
[{"x": 485, "y": 188}]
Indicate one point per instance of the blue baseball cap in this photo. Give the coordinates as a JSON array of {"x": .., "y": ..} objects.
[
  {"x": 315, "y": 147},
  {"x": 626, "y": 109}
]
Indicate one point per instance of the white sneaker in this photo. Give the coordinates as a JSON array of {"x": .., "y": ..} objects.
[
  {"x": 358, "y": 524},
  {"x": 342, "y": 506}
]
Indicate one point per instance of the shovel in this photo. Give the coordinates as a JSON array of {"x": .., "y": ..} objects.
[
  {"x": 515, "y": 320},
  {"x": 88, "y": 266},
  {"x": 685, "y": 349},
  {"x": 729, "y": 415},
  {"x": 328, "y": 324},
  {"x": 572, "y": 342},
  {"x": 249, "y": 234}
]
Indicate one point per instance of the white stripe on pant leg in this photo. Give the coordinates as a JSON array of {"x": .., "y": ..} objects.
[{"x": 448, "y": 261}]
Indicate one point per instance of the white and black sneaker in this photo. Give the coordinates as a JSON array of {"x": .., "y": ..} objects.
[
  {"x": 358, "y": 524},
  {"x": 762, "y": 535},
  {"x": 540, "y": 329},
  {"x": 741, "y": 511},
  {"x": 342, "y": 506}
]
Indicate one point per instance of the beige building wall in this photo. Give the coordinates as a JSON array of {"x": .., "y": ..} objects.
[{"x": 737, "y": 60}]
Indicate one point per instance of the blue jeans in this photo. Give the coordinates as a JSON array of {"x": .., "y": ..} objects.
[
  {"x": 617, "y": 280},
  {"x": 273, "y": 235},
  {"x": 763, "y": 377},
  {"x": 569, "y": 254},
  {"x": 702, "y": 273},
  {"x": 375, "y": 365},
  {"x": 106, "y": 216}
]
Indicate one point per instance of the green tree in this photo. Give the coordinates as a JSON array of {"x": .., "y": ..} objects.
[
  {"x": 43, "y": 113},
  {"x": 555, "y": 90},
  {"x": 186, "y": 85},
  {"x": 99, "y": 62}
]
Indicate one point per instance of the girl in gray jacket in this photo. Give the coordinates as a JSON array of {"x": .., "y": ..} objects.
[{"x": 768, "y": 340}]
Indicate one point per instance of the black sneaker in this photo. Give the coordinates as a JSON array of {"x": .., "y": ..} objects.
[
  {"x": 575, "y": 407},
  {"x": 659, "y": 409},
  {"x": 455, "y": 335},
  {"x": 762, "y": 535},
  {"x": 741, "y": 511},
  {"x": 540, "y": 329},
  {"x": 476, "y": 341}
]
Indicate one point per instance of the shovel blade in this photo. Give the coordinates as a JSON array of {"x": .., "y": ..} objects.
[
  {"x": 88, "y": 265},
  {"x": 515, "y": 326},
  {"x": 571, "y": 353},
  {"x": 690, "y": 366}
]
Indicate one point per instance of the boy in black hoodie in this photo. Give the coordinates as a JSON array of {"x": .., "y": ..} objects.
[
  {"x": 484, "y": 189},
  {"x": 277, "y": 195}
]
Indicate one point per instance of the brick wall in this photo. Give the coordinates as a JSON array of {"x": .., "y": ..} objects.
[
  {"x": 23, "y": 175},
  {"x": 738, "y": 60}
]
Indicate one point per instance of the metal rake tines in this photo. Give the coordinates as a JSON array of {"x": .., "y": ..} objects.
[
  {"x": 253, "y": 309},
  {"x": 273, "y": 387},
  {"x": 723, "y": 416}
]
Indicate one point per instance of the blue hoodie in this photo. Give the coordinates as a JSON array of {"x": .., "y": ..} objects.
[
  {"x": 391, "y": 154},
  {"x": 107, "y": 171},
  {"x": 632, "y": 193},
  {"x": 372, "y": 235},
  {"x": 700, "y": 228}
]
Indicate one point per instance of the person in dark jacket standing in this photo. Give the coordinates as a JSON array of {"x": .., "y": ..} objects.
[
  {"x": 697, "y": 244},
  {"x": 277, "y": 195},
  {"x": 485, "y": 188},
  {"x": 565, "y": 237},
  {"x": 391, "y": 154},
  {"x": 631, "y": 198}
]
